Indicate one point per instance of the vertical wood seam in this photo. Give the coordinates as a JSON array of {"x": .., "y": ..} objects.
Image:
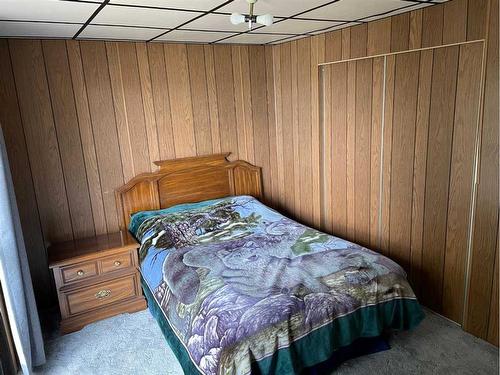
[
  {"x": 371, "y": 155},
  {"x": 391, "y": 180},
  {"x": 80, "y": 136},
  {"x": 413, "y": 162},
  {"x": 93, "y": 140},
  {"x": 274, "y": 181},
  {"x": 427, "y": 156},
  {"x": 346, "y": 231},
  {"x": 122, "y": 89},
  {"x": 57, "y": 139},
  {"x": 26, "y": 143},
  {"x": 381, "y": 169},
  {"x": 475, "y": 182},
  {"x": 477, "y": 162},
  {"x": 114, "y": 113},
  {"x": 208, "y": 99},
  {"x": 449, "y": 175},
  {"x": 191, "y": 100},
  {"x": 322, "y": 148},
  {"x": 278, "y": 122},
  {"x": 142, "y": 102},
  {"x": 242, "y": 98},
  {"x": 154, "y": 105},
  {"x": 234, "y": 104},
  {"x": 164, "y": 65}
]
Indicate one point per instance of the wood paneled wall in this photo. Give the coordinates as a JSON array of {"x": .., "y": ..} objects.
[
  {"x": 82, "y": 118},
  {"x": 416, "y": 216}
]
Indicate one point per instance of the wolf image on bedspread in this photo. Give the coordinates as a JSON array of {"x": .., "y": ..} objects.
[
  {"x": 265, "y": 284},
  {"x": 252, "y": 267}
]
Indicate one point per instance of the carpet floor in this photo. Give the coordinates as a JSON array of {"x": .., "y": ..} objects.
[{"x": 134, "y": 344}]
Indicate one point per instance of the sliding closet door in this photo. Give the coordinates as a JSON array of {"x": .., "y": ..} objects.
[
  {"x": 451, "y": 153},
  {"x": 399, "y": 143},
  {"x": 352, "y": 100}
]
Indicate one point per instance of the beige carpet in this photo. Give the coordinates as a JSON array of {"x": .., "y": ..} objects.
[{"x": 134, "y": 344}]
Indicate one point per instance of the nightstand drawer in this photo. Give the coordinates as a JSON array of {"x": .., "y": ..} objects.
[
  {"x": 79, "y": 271},
  {"x": 100, "y": 294},
  {"x": 116, "y": 262}
]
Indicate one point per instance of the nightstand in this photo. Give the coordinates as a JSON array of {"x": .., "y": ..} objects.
[{"x": 96, "y": 277}]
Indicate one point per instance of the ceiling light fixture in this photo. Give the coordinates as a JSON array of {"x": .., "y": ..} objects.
[{"x": 237, "y": 18}]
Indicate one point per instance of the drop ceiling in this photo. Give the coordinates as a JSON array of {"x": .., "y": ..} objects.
[{"x": 191, "y": 21}]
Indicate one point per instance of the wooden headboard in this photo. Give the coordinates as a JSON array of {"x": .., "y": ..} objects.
[{"x": 187, "y": 180}]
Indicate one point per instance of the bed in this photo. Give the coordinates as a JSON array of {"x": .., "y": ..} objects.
[{"x": 239, "y": 288}]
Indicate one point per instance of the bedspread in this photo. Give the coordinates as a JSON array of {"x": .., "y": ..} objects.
[{"x": 240, "y": 288}]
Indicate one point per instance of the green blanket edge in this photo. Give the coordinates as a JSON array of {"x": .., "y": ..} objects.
[{"x": 319, "y": 345}]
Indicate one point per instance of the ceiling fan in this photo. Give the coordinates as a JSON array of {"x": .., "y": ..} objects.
[{"x": 237, "y": 18}]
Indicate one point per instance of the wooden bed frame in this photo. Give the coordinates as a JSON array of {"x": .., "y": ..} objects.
[{"x": 187, "y": 180}]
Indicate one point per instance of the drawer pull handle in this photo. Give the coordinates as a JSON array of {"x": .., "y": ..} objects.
[
  {"x": 117, "y": 263},
  {"x": 103, "y": 294},
  {"x": 80, "y": 272}
]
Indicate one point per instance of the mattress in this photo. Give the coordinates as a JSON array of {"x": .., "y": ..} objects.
[{"x": 238, "y": 288}]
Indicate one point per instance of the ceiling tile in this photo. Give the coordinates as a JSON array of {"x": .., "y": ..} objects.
[
  {"x": 289, "y": 39},
  {"x": 337, "y": 27},
  {"x": 50, "y": 17},
  {"x": 119, "y": 15},
  {"x": 292, "y": 26},
  {"x": 193, "y": 36},
  {"x": 31, "y": 29},
  {"x": 46, "y": 10},
  {"x": 215, "y": 22},
  {"x": 350, "y": 10},
  {"x": 120, "y": 33},
  {"x": 276, "y": 8},
  {"x": 202, "y": 5},
  {"x": 398, "y": 11},
  {"x": 251, "y": 38}
]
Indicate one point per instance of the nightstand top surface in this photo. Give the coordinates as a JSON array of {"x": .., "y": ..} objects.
[{"x": 90, "y": 248}]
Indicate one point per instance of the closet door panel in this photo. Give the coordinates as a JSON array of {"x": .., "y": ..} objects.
[
  {"x": 399, "y": 140},
  {"x": 403, "y": 145},
  {"x": 339, "y": 151},
  {"x": 438, "y": 172},
  {"x": 461, "y": 179},
  {"x": 351, "y": 123},
  {"x": 420, "y": 167},
  {"x": 362, "y": 168}
]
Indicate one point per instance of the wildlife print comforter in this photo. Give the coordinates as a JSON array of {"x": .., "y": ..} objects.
[{"x": 237, "y": 288}]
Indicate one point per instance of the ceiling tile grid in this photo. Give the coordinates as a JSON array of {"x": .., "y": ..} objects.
[
  {"x": 216, "y": 22},
  {"x": 189, "y": 21},
  {"x": 44, "y": 10},
  {"x": 196, "y": 5},
  {"x": 118, "y": 33},
  {"x": 37, "y": 30},
  {"x": 134, "y": 16},
  {"x": 292, "y": 26},
  {"x": 192, "y": 36},
  {"x": 354, "y": 9}
]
